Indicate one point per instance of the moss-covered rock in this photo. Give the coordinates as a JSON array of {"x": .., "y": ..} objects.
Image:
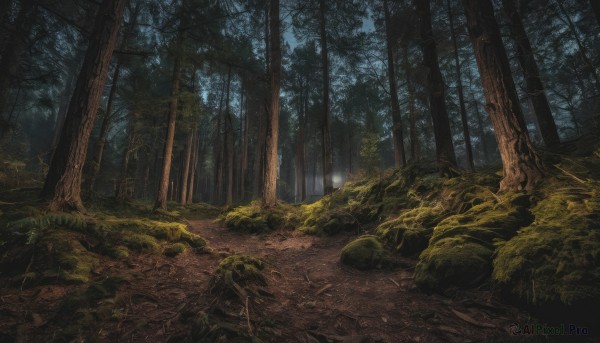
[
  {"x": 557, "y": 258},
  {"x": 453, "y": 261},
  {"x": 462, "y": 245},
  {"x": 175, "y": 249},
  {"x": 409, "y": 233},
  {"x": 252, "y": 218},
  {"x": 366, "y": 252}
]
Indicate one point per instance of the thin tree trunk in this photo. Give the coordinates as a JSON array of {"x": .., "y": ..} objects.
[
  {"x": 269, "y": 191},
  {"x": 521, "y": 164},
  {"x": 62, "y": 110},
  {"x": 444, "y": 148},
  {"x": 399, "y": 157},
  {"x": 533, "y": 83},
  {"x": 63, "y": 182},
  {"x": 122, "y": 184},
  {"x": 104, "y": 128},
  {"x": 229, "y": 143},
  {"x": 301, "y": 149},
  {"x": 325, "y": 123},
  {"x": 163, "y": 184},
  {"x": 217, "y": 195},
  {"x": 461, "y": 99},
  {"x": 244, "y": 153},
  {"x": 187, "y": 161},
  {"x": 412, "y": 113}
]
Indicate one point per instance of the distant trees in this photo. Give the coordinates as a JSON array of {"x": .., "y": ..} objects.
[
  {"x": 533, "y": 82},
  {"x": 398, "y": 137},
  {"x": 193, "y": 118},
  {"x": 444, "y": 148}
]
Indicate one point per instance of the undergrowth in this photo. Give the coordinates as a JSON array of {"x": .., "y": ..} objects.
[{"x": 41, "y": 246}]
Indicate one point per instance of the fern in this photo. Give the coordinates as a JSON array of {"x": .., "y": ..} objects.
[{"x": 33, "y": 226}]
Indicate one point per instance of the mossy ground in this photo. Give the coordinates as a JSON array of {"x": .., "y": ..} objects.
[
  {"x": 47, "y": 246},
  {"x": 366, "y": 252}
]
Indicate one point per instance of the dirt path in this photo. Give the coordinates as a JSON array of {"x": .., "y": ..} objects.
[{"x": 317, "y": 299}]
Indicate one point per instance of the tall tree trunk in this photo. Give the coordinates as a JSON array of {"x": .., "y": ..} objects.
[
  {"x": 533, "y": 83},
  {"x": 193, "y": 167},
  {"x": 122, "y": 184},
  {"x": 412, "y": 113},
  {"x": 187, "y": 163},
  {"x": 109, "y": 115},
  {"x": 325, "y": 123},
  {"x": 163, "y": 184},
  {"x": 218, "y": 171},
  {"x": 244, "y": 145},
  {"x": 461, "y": 99},
  {"x": 521, "y": 164},
  {"x": 63, "y": 182},
  {"x": 104, "y": 128},
  {"x": 301, "y": 148},
  {"x": 399, "y": 157},
  {"x": 11, "y": 60},
  {"x": 62, "y": 110},
  {"x": 269, "y": 191},
  {"x": 229, "y": 143},
  {"x": 446, "y": 159}
]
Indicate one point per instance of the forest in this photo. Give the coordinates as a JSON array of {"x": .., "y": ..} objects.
[{"x": 310, "y": 171}]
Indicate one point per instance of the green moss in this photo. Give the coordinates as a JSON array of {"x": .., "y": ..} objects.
[
  {"x": 250, "y": 218},
  {"x": 453, "y": 261},
  {"x": 557, "y": 258},
  {"x": 140, "y": 242},
  {"x": 237, "y": 272},
  {"x": 73, "y": 260},
  {"x": 118, "y": 252},
  {"x": 175, "y": 249},
  {"x": 366, "y": 252},
  {"x": 409, "y": 233}
]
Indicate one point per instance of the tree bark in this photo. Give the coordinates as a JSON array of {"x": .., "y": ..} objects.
[
  {"x": 461, "y": 99},
  {"x": 230, "y": 144},
  {"x": 325, "y": 124},
  {"x": 446, "y": 159},
  {"x": 163, "y": 184},
  {"x": 533, "y": 82},
  {"x": 244, "y": 145},
  {"x": 122, "y": 184},
  {"x": 269, "y": 191},
  {"x": 412, "y": 113},
  {"x": 301, "y": 148},
  {"x": 187, "y": 162},
  {"x": 218, "y": 187},
  {"x": 109, "y": 115},
  {"x": 397, "y": 136},
  {"x": 104, "y": 128},
  {"x": 63, "y": 182},
  {"x": 521, "y": 164}
]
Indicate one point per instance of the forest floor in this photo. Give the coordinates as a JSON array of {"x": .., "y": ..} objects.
[{"x": 312, "y": 298}]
